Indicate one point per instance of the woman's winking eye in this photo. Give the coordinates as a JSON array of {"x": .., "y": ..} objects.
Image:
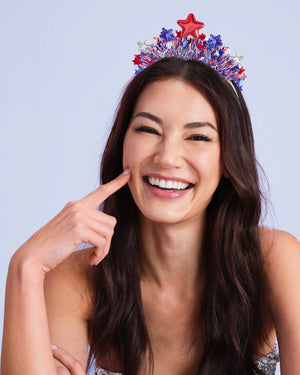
[
  {"x": 194, "y": 137},
  {"x": 146, "y": 129}
]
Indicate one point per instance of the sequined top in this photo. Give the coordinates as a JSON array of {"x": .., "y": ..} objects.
[{"x": 267, "y": 364}]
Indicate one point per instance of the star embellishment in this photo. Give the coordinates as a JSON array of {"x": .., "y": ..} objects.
[
  {"x": 142, "y": 45},
  {"x": 137, "y": 59},
  {"x": 237, "y": 58},
  {"x": 190, "y": 26}
]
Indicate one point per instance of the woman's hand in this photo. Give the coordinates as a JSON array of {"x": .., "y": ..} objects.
[
  {"x": 71, "y": 363},
  {"x": 79, "y": 221}
]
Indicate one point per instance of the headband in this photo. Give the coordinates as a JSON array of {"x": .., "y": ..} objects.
[{"x": 189, "y": 45}]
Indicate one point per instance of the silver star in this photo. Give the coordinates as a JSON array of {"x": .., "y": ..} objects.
[
  {"x": 237, "y": 58},
  {"x": 142, "y": 45}
]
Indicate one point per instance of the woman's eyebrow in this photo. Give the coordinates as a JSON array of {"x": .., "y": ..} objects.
[
  {"x": 199, "y": 124},
  {"x": 149, "y": 116},
  {"x": 191, "y": 125}
]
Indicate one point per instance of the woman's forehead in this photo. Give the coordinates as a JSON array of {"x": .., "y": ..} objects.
[{"x": 174, "y": 98}]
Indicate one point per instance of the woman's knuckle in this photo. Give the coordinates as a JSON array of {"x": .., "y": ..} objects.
[
  {"x": 77, "y": 215},
  {"x": 78, "y": 228},
  {"x": 70, "y": 204},
  {"x": 76, "y": 365},
  {"x": 101, "y": 241}
]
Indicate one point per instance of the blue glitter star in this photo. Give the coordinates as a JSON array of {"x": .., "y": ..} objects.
[
  {"x": 214, "y": 41},
  {"x": 167, "y": 35}
]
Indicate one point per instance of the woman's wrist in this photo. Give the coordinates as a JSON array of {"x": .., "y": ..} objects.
[{"x": 25, "y": 270}]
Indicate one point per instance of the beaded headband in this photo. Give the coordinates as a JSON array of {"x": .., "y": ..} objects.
[{"x": 189, "y": 45}]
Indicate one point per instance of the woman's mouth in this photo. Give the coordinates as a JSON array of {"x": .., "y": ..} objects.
[
  {"x": 167, "y": 184},
  {"x": 169, "y": 188}
]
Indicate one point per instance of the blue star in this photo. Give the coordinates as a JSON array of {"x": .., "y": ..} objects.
[
  {"x": 214, "y": 41},
  {"x": 167, "y": 35}
]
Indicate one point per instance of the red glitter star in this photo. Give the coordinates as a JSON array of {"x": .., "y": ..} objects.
[
  {"x": 137, "y": 59},
  {"x": 190, "y": 26}
]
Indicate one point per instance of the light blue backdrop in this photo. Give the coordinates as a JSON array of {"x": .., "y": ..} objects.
[{"x": 63, "y": 65}]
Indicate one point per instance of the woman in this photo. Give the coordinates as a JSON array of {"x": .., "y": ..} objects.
[{"x": 185, "y": 282}]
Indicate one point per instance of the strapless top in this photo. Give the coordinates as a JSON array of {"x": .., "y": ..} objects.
[{"x": 267, "y": 364}]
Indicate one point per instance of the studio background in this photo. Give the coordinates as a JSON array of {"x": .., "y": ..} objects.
[{"x": 63, "y": 65}]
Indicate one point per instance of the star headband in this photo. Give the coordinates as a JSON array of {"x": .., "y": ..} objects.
[{"x": 188, "y": 44}]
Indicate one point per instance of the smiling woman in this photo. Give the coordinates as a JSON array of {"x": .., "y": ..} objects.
[
  {"x": 185, "y": 281},
  {"x": 192, "y": 254},
  {"x": 181, "y": 145}
]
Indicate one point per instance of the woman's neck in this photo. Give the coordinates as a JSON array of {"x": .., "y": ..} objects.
[{"x": 171, "y": 255}]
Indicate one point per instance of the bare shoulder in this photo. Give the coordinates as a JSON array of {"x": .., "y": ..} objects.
[
  {"x": 281, "y": 252},
  {"x": 277, "y": 242}
]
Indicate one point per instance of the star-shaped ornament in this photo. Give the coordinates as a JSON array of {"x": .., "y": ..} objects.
[
  {"x": 237, "y": 58},
  {"x": 137, "y": 59},
  {"x": 142, "y": 45},
  {"x": 190, "y": 26}
]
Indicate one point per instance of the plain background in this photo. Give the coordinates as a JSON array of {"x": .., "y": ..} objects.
[{"x": 63, "y": 65}]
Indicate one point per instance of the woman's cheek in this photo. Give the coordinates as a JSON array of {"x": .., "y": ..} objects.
[
  {"x": 134, "y": 152},
  {"x": 126, "y": 154}
]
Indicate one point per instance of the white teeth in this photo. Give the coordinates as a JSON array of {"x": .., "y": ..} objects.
[{"x": 169, "y": 184}]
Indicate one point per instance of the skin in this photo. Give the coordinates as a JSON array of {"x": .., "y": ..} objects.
[
  {"x": 171, "y": 231},
  {"x": 41, "y": 295},
  {"x": 172, "y": 228},
  {"x": 48, "y": 295}
]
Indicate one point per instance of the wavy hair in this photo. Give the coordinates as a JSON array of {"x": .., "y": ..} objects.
[{"x": 231, "y": 315}]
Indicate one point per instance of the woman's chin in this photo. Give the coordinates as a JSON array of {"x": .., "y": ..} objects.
[{"x": 165, "y": 217}]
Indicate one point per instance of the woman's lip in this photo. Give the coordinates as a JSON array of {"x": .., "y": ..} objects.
[
  {"x": 168, "y": 178},
  {"x": 168, "y": 193}
]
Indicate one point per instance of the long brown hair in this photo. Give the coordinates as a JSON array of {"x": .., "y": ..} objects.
[{"x": 231, "y": 314}]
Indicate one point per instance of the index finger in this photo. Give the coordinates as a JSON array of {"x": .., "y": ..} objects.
[{"x": 99, "y": 195}]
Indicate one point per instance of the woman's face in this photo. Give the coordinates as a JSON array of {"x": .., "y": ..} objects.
[{"x": 172, "y": 146}]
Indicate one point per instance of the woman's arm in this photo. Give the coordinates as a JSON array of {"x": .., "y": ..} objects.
[
  {"x": 282, "y": 255},
  {"x": 26, "y": 335},
  {"x": 67, "y": 297},
  {"x": 26, "y": 341}
]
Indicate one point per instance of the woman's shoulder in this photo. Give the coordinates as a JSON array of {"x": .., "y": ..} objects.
[
  {"x": 71, "y": 280},
  {"x": 281, "y": 252},
  {"x": 278, "y": 243}
]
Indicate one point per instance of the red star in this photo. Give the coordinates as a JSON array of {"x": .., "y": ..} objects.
[
  {"x": 137, "y": 59},
  {"x": 190, "y": 26}
]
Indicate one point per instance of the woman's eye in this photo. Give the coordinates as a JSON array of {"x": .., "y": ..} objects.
[
  {"x": 199, "y": 137},
  {"x": 146, "y": 129}
]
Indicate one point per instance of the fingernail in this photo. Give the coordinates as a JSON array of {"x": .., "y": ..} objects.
[
  {"x": 53, "y": 347},
  {"x": 127, "y": 171}
]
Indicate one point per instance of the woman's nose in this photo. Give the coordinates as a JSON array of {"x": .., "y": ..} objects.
[{"x": 168, "y": 154}]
